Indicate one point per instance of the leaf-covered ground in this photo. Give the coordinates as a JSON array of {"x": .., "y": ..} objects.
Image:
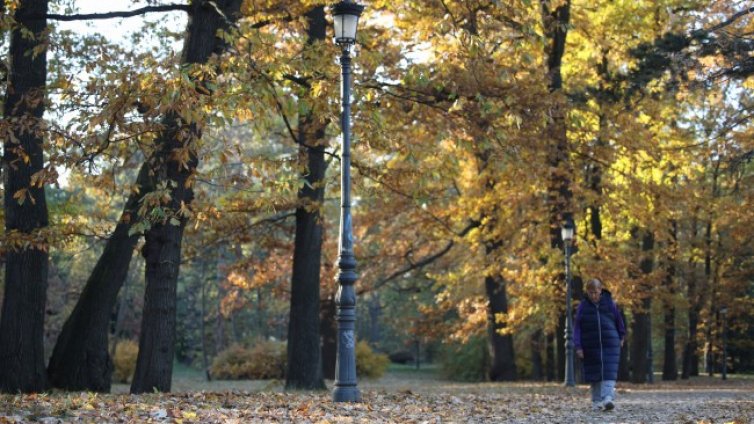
[{"x": 399, "y": 399}]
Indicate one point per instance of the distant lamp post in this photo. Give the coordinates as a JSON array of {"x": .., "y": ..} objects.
[
  {"x": 346, "y": 17},
  {"x": 567, "y": 233},
  {"x": 724, "y": 315}
]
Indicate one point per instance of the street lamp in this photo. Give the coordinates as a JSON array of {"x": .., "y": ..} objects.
[
  {"x": 724, "y": 314},
  {"x": 567, "y": 232},
  {"x": 345, "y": 18}
]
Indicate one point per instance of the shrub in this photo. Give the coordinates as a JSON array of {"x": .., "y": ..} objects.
[
  {"x": 468, "y": 361},
  {"x": 370, "y": 364},
  {"x": 265, "y": 360},
  {"x": 124, "y": 360}
]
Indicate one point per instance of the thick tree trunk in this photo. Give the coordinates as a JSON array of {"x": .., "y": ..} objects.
[
  {"x": 304, "y": 353},
  {"x": 503, "y": 365},
  {"x": 80, "y": 359},
  {"x": 162, "y": 248},
  {"x": 22, "y": 366},
  {"x": 641, "y": 324}
]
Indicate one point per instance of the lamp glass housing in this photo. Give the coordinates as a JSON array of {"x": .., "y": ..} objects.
[
  {"x": 345, "y": 20},
  {"x": 345, "y": 28},
  {"x": 567, "y": 231}
]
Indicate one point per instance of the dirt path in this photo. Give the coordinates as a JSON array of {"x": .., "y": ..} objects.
[
  {"x": 396, "y": 398},
  {"x": 699, "y": 400}
]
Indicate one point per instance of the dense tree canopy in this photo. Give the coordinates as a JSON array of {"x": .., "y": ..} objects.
[{"x": 201, "y": 167}]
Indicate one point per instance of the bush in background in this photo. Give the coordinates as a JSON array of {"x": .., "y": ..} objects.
[
  {"x": 124, "y": 360},
  {"x": 468, "y": 361},
  {"x": 370, "y": 364},
  {"x": 264, "y": 360}
]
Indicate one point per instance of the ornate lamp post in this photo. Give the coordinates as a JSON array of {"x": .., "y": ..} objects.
[
  {"x": 346, "y": 17},
  {"x": 724, "y": 315},
  {"x": 567, "y": 232}
]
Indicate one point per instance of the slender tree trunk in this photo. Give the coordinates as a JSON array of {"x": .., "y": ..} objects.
[
  {"x": 555, "y": 23},
  {"x": 375, "y": 311},
  {"x": 328, "y": 332},
  {"x": 709, "y": 356},
  {"x": 203, "y": 323},
  {"x": 550, "y": 349},
  {"x": 262, "y": 315},
  {"x": 690, "y": 352},
  {"x": 22, "y": 318},
  {"x": 690, "y": 356},
  {"x": 535, "y": 342},
  {"x": 560, "y": 347},
  {"x": 162, "y": 248},
  {"x": 503, "y": 366},
  {"x": 578, "y": 293},
  {"x": 670, "y": 368},
  {"x": 624, "y": 370},
  {"x": 641, "y": 324}
]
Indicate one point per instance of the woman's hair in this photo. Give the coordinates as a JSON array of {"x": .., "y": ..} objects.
[{"x": 594, "y": 282}]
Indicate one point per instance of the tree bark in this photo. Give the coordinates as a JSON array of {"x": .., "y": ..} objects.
[
  {"x": 690, "y": 354},
  {"x": 555, "y": 23},
  {"x": 503, "y": 366},
  {"x": 670, "y": 367},
  {"x": 537, "y": 370},
  {"x": 80, "y": 359},
  {"x": 550, "y": 348},
  {"x": 162, "y": 248},
  {"x": 304, "y": 352},
  {"x": 22, "y": 318},
  {"x": 641, "y": 325},
  {"x": 560, "y": 347}
]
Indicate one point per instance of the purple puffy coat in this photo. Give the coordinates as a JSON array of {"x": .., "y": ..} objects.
[{"x": 598, "y": 330}]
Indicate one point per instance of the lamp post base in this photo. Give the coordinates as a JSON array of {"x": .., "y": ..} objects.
[{"x": 346, "y": 394}]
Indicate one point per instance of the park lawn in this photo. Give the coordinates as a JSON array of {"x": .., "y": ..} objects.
[{"x": 402, "y": 395}]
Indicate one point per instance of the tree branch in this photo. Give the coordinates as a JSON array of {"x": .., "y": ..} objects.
[
  {"x": 423, "y": 262},
  {"x": 111, "y": 15},
  {"x": 726, "y": 22}
]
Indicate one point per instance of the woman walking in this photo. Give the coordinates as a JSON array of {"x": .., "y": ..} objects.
[{"x": 599, "y": 333}]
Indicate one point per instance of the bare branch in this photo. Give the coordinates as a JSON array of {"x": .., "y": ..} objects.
[{"x": 111, "y": 15}]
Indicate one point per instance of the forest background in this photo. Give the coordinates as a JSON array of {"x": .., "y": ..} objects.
[{"x": 179, "y": 189}]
